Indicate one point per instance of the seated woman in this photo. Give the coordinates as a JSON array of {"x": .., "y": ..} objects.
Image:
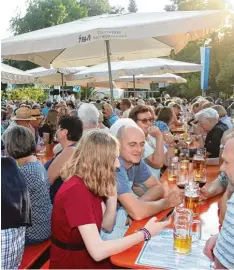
[
  {"x": 208, "y": 122},
  {"x": 165, "y": 119},
  {"x": 50, "y": 125},
  {"x": 15, "y": 213},
  {"x": 155, "y": 152},
  {"x": 68, "y": 134},
  {"x": 78, "y": 207},
  {"x": 20, "y": 144}
]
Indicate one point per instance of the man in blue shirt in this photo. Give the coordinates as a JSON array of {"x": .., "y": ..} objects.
[
  {"x": 108, "y": 113},
  {"x": 140, "y": 194},
  {"x": 47, "y": 108}
]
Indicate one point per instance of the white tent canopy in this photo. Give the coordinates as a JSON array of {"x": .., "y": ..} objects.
[
  {"x": 163, "y": 78},
  {"x": 54, "y": 76},
  {"x": 130, "y": 68},
  {"x": 15, "y": 76},
  {"x": 131, "y": 36}
]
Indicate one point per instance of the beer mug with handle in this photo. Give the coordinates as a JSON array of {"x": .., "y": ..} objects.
[{"x": 183, "y": 234}]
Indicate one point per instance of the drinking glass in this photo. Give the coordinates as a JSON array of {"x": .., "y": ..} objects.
[
  {"x": 198, "y": 167},
  {"x": 42, "y": 150},
  {"x": 183, "y": 223},
  {"x": 183, "y": 178},
  {"x": 184, "y": 159},
  {"x": 191, "y": 197},
  {"x": 172, "y": 169}
]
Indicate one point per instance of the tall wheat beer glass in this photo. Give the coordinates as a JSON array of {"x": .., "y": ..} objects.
[{"x": 191, "y": 197}]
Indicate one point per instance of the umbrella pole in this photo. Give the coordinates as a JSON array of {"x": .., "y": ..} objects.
[
  {"x": 62, "y": 86},
  {"x": 109, "y": 71},
  {"x": 134, "y": 86}
]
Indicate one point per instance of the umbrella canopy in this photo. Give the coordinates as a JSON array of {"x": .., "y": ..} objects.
[
  {"x": 163, "y": 78},
  {"x": 54, "y": 76},
  {"x": 105, "y": 84},
  {"x": 15, "y": 76},
  {"x": 89, "y": 41},
  {"x": 130, "y": 68}
]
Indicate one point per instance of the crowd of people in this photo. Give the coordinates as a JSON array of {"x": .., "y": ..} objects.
[{"x": 104, "y": 174}]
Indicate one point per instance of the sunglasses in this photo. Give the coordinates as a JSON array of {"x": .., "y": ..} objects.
[{"x": 144, "y": 121}]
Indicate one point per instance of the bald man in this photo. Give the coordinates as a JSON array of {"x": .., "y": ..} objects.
[
  {"x": 134, "y": 171},
  {"x": 220, "y": 247}
]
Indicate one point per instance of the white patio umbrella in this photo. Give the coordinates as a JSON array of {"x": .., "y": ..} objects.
[
  {"x": 163, "y": 78},
  {"x": 152, "y": 66},
  {"x": 100, "y": 73},
  {"x": 15, "y": 76},
  {"x": 54, "y": 76},
  {"x": 115, "y": 37},
  {"x": 105, "y": 84}
]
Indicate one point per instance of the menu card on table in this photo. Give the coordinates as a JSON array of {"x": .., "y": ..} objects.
[{"x": 159, "y": 252}]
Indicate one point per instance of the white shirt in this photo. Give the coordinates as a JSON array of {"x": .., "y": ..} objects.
[
  {"x": 150, "y": 146},
  {"x": 126, "y": 113}
]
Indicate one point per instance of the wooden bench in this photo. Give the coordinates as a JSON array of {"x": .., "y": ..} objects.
[{"x": 35, "y": 256}]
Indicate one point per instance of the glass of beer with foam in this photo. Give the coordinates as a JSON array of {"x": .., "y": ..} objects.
[
  {"x": 191, "y": 197},
  {"x": 198, "y": 167},
  {"x": 183, "y": 224}
]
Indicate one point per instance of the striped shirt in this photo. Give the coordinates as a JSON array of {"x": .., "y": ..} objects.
[{"x": 224, "y": 248}]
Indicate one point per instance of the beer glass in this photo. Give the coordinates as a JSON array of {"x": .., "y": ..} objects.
[
  {"x": 172, "y": 169},
  {"x": 201, "y": 180},
  {"x": 184, "y": 159},
  {"x": 183, "y": 224},
  {"x": 191, "y": 197},
  {"x": 198, "y": 166},
  {"x": 183, "y": 178},
  {"x": 46, "y": 138}
]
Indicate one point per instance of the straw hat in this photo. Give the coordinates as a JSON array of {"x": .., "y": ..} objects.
[
  {"x": 36, "y": 113},
  {"x": 23, "y": 113}
]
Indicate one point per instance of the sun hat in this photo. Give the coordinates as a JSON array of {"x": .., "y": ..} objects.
[{"x": 23, "y": 113}]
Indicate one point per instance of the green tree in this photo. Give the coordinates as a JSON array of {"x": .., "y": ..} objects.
[
  {"x": 45, "y": 13},
  {"x": 221, "y": 63},
  {"x": 96, "y": 7},
  {"x": 29, "y": 93},
  {"x": 132, "y": 7},
  {"x": 183, "y": 5},
  {"x": 41, "y": 14}
]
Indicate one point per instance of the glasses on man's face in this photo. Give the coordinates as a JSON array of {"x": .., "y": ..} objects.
[{"x": 145, "y": 121}]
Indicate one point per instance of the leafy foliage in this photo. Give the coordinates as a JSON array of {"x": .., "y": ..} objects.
[
  {"x": 132, "y": 7},
  {"x": 46, "y": 13},
  {"x": 29, "y": 93},
  {"x": 222, "y": 50},
  {"x": 96, "y": 7}
]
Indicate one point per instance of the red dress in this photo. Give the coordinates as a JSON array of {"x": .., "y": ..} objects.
[{"x": 74, "y": 205}]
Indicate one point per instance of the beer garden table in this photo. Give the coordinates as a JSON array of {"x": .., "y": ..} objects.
[{"x": 208, "y": 214}]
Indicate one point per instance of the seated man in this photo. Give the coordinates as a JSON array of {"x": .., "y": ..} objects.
[
  {"x": 208, "y": 122},
  {"x": 220, "y": 247},
  {"x": 220, "y": 184},
  {"x": 134, "y": 171},
  {"x": 109, "y": 114}
]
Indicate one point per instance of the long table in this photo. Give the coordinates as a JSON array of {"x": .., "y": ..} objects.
[{"x": 208, "y": 214}]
